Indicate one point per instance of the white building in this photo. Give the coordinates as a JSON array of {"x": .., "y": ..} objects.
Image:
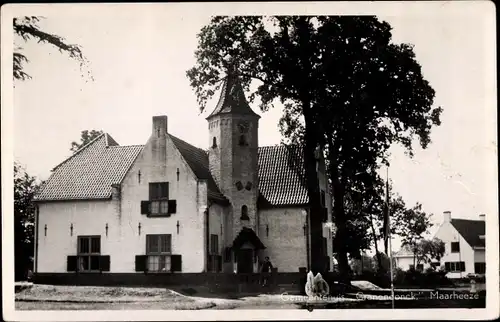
[
  {"x": 464, "y": 247},
  {"x": 168, "y": 206}
]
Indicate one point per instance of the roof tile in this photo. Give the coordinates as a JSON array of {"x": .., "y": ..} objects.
[{"x": 90, "y": 172}]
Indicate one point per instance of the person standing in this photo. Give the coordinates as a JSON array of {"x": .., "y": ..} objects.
[{"x": 266, "y": 270}]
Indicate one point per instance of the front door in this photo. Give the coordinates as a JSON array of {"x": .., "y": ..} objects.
[{"x": 245, "y": 261}]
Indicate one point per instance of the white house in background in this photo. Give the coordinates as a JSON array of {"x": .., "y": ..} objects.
[
  {"x": 168, "y": 206},
  {"x": 464, "y": 247},
  {"x": 405, "y": 261}
]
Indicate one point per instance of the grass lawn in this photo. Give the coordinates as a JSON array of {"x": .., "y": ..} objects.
[{"x": 49, "y": 297}]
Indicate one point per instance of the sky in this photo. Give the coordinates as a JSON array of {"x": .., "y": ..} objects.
[{"x": 139, "y": 55}]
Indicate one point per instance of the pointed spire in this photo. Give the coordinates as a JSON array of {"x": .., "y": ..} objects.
[{"x": 232, "y": 98}]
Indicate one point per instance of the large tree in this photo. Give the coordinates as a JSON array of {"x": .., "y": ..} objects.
[
  {"x": 28, "y": 28},
  {"x": 25, "y": 187},
  {"x": 85, "y": 138},
  {"x": 372, "y": 95}
]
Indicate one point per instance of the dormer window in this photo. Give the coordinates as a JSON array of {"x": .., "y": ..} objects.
[{"x": 214, "y": 143}]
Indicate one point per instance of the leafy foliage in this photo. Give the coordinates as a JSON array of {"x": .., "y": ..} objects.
[
  {"x": 428, "y": 251},
  {"x": 27, "y": 28},
  {"x": 86, "y": 137},
  {"x": 25, "y": 188},
  {"x": 409, "y": 223}
]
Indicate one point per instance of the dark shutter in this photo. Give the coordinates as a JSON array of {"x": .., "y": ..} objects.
[
  {"x": 327, "y": 259},
  {"x": 219, "y": 263},
  {"x": 172, "y": 206},
  {"x": 104, "y": 263},
  {"x": 462, "y": 266},
  {"x": 72, "y": 263},
  {"x": 447, "y": 266},
  {"x": 176, "y": 263},
  {"x": 145, "y": 207},
  {"x": 140, "y": 263}
]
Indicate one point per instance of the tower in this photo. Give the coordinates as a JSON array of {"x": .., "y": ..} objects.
[{"x": 233, "y": 146}]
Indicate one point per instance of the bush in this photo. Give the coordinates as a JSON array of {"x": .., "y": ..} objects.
[{"x": 429, "y": 278}]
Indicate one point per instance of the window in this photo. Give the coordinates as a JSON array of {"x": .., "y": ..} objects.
[
  {"x": 243, "y": 140},
  {"x": 454, "y": 266},
  {"x": 480, "y": 268},
  {"x": 214, "y": 244},
  {"x": 455, "y": 247},
  {"x": 158, "y": 251},
  {"x": 244, "y": 213},
  {"x": 89, "y": 251},
  {"x": 158, "y": 196},
  {"x": 214, "y": 143},
  {"x": 323, "y": 198}
]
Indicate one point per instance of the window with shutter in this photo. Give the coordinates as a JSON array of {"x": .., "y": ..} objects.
[
  {"x": 89, "y": 253},
  {"x": 480, "y": 268},
  {"x": 158, "y": 251},
  {"x": 158, "y": 199}
]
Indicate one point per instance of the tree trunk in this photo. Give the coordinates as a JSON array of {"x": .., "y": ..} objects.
[
  {"x": 340, "y": 238},
  {"x": 374, "y": 234},
  {"x": 318, "y": 264}
]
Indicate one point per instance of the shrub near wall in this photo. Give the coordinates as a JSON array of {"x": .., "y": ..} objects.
[
  {"x": 428, "y": 279},
  {"x": 411, "y": 278}
]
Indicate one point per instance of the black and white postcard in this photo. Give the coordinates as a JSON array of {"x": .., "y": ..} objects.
[{"x": 257, "y": 161}]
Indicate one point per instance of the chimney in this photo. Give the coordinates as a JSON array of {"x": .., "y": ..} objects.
[
  {"x": 115, "y": 191},
  {"x": 482, "y": 217},
  {"x": 160, "y": 125},
  {"x": 447, "y": 216}
]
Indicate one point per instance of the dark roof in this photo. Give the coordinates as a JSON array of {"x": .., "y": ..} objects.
[
  {"x": 281, "y": 176},
  {"x": 232, "y": 98},
  {"x": 470, "y": 231},
  {"x": 281, "y": 173},
  {"x": 247, "y": 235},
  {"x": 197, "y": 159},
  {"x": 90, "y": 171}
]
